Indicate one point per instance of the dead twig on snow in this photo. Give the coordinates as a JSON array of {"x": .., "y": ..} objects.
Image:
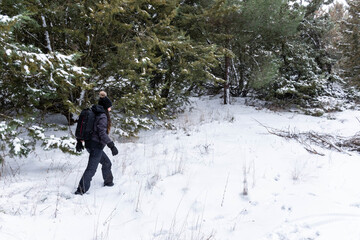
[{"x": 307, "y": 139}]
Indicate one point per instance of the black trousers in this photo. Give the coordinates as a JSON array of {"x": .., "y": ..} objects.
[{"x": 97, "y": 155}]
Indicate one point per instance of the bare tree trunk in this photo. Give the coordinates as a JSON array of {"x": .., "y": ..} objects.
[
  {"x": 66, "y": 24},
  {"x": 47, "y": 37},
  {"x": 82, "y": 97},
  {"x": 227, "y": 80},
  {"x": 237, "y": 77}
]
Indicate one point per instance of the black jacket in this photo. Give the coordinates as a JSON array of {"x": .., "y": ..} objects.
[{"x": 100, "y": 126}]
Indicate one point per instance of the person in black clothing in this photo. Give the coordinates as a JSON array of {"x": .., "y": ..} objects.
[{"x": 95, "y": 146}]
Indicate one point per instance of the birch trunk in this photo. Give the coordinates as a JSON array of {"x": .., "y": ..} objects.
[
  {"x": 47, "y": 37},
  {"x": 227, "y": 81}
]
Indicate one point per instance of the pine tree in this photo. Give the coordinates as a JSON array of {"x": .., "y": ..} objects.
[
  {"x": 146, "y": 63},
  {"x": 151, "y": 55},
  {"x": 333, "y": 38},
  {"x": 36, "y": 77},
  {"x": 306, "y": 65},
  {"x": 350, "y": 44},
  {"x": 154, "y": 67},
  {"x": 265, "y": 30},
  {"x": 247, "y": 33},
  {"x": 30, "y": 80}
]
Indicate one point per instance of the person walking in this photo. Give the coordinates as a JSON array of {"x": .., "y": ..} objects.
[{"x": 95, "y": 146}]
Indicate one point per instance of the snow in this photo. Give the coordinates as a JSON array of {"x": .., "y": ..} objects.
[
  {"x": 145, "y": 60},
  {"x": 6, "y": 19},
  {"x": 65, "y": 58},
  {"x": 187, "y": 183},
  {"x": 26, "y": 68},
  {"x": 79, "y": 70},
  {"x": 88, "y": 41},
  {"x": 327, "y": 7},
  {"x": 43, "y": 58},
  {"x": 341, "y": 2},
  {"x": 17, "y": 145},
  {"x": 34, "y": 89}
]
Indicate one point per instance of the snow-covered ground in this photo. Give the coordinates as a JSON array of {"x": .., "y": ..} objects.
[{"x": 188, "y": 183}]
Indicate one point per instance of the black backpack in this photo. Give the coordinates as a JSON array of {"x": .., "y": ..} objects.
[{"x": 85, "y": 124}]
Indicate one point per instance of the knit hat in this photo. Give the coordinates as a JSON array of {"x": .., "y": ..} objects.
[{"x": 104, "y": 100}]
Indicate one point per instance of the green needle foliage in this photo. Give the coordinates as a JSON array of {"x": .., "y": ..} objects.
[
  {"x": 152, "y": 55},
  {"x": 350, "y": 44}
]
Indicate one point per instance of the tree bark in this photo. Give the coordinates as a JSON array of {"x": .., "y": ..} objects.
[
  {"x": 227, "y": 80},
  {"x": 47, "y": 37}
]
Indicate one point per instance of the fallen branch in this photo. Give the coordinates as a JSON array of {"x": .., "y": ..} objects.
[{"x": 326, "y": 141}]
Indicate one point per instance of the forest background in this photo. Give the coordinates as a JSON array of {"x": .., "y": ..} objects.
[{"x": 152, "y": 55}]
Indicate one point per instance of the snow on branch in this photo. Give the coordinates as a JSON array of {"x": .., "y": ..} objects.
[{"x": 18, "y": 139}]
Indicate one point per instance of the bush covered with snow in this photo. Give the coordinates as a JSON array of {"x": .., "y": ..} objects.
[{"x": 18, "y": 140}]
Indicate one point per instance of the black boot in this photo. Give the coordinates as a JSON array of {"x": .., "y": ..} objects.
[
  {"x": 108, "y": 184},
  {"x": 79, "y": 192}
]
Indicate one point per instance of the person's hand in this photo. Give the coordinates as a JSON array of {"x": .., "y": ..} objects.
[
  {"x": 113, "y": 149},
  {"x": 79, "y": 146}
]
